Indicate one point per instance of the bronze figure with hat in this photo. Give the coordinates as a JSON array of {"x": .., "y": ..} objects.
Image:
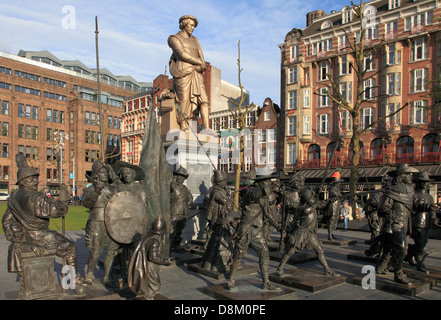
[
  {"x": 423, "y": 219},
  {"x": 181, "y": 200}
]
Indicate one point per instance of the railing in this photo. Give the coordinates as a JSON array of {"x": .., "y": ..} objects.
[
  {"x": 375, "y": 160},
  {"x": 322, "y": 53},
  {"x": 391, "y": 35},
  {"x": 418, "y": 29}
]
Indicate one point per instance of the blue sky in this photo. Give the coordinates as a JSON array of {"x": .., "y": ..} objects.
[{"x": 133, "y": 34}]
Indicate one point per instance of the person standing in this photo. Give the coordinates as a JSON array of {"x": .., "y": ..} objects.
[{"x": 346, "y": 214}]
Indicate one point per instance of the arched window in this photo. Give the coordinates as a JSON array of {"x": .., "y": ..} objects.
[
  {"x": 351, "y": 151},
  {"x": 376, "y": 150},
  {"x": 329, "y": 150},
  {"x": 405, "y": 149},
  {"x": 314, "y": 155},
  {"x": 430, "y": 147}
]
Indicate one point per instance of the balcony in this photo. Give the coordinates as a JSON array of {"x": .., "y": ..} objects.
[
  {"x": 322, "y": 53},
  {"x": 418, "y": 29},
  {"x": 391, "y": 35},
  {"x": 375, "y": 160}
]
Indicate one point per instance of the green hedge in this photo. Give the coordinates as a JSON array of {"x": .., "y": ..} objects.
[{"x": 75, "y": 219}]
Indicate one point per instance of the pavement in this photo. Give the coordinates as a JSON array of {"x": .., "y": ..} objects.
[{"x": 178, "y": 283}]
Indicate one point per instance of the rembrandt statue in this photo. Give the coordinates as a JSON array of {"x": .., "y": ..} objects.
[{"x": 187, "y": 65}]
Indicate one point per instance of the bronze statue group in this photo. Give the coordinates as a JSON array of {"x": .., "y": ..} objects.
[{"x": 403, "y": 207}]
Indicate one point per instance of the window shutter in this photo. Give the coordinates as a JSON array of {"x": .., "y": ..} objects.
[{"x": 412, "y": 113}]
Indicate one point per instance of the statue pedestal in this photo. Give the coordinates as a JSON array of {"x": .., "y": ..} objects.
[
  {"x": 338, "y": 242},
  {"x": 248, "y": 289},
  {"x": 244, "y": 270},
  {"x": 308, "y": 280},
  {"x": 433, "y": 277},
  {"x": 185, "y": 258},
  {"x": 387, "y": 283},
  {"x": 38, "y": 274}
]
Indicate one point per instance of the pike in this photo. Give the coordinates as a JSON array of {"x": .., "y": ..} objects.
[{"x": 283, "y": 227}]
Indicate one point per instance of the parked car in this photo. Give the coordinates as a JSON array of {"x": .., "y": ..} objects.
[{"x": 4, "y": 196}]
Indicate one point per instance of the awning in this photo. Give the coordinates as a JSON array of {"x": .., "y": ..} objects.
[{"x": 371, "y": 172}]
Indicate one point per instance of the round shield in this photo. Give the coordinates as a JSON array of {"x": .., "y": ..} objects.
[{"x": 125, "y": 217}]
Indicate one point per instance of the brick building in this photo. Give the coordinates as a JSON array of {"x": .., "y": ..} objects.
[
  {"x": 43, "y": 98},
  {"x": 400, "y": 74}
]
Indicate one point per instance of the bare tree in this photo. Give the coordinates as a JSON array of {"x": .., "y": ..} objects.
[
  {"x": 239, "y": 112},
  {"x": 363, "y": 55}
]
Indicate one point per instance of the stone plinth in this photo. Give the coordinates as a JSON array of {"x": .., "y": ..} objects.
[
  {"x": 308, "y": 280},
  {"x": 244, "y": 270},
  {"x": 338, "y": 242},
  {"x": 248, "y": 289},
  {"x": 387, "y": 283}
]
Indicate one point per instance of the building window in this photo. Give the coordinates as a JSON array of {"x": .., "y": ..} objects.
[
  {"x": 48, "y": 114},
  {"x": 4, "y": 85},
  {"x": 248, "y": 163},
  {"x": 87, "y": 118},
  {"x": 345, "y": 66},
  {"x": 314, "y": 153},
  {"x": 291, "y": 153},
  {"x": 5, "y": 70},
  {"x": 28, "y": 111},
  {"x": 26, "y": 75},
  {"x": 346, "y": 14},
  {"x": 292, "y": 75},
  {"x": 21, "y": 110},
  {"x": 5, "y": 107},
  {"x": 306, "y": 124},
  {"x": 35, "y": 133},
  {"x": 392, "y": 119},
  {"x": 294, "y": 53},
  {"x": 418, "y": 80},
  {"x": 417, "y": 22},
  {"x": 266, "y": 117},
  {"x": 418, "y": 112},
  {"x": 28, "y": 133},
  {"x": 323, "y": 70},
  {"x": 369, "y": 62},
  {"x": 292, "y": 126},
  {"x": 35, "y": 113},
  {"x": 369, "y": 89},
  {"x": 5, "y": 129},
  {"x": 306, "y": 98},
  {"x": 323, "y": 98},
  {"x": 323, "y": 123},
  {"x": 292, "y": 99},
  {"x": 27, "y": 90},
  {"x": 21, "y": 130},
  {"x": 55, "y": 116},
  {"x": 405, "y": 149},
  {"x": 393, "y": 4},
  {"x": 367, "y": 117},
  {"x": 419, "y": 49},
  {"x": 393, "y": 84},
  {"x": 5, "y": 150},
  {"x": 346, "y": 91}
]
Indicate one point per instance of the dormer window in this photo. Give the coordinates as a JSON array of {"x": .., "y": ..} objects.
[
  {"x": 326, "y": 24},
  {"x": 346, "y": 14},
  {"x": 393, "y": 4}
]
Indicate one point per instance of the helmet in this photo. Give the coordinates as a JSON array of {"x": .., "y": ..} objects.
[
  {"x": 24, "y": 170},
  {"x": 158, "y": 226},
  {"x": 96, "y": 166}
]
